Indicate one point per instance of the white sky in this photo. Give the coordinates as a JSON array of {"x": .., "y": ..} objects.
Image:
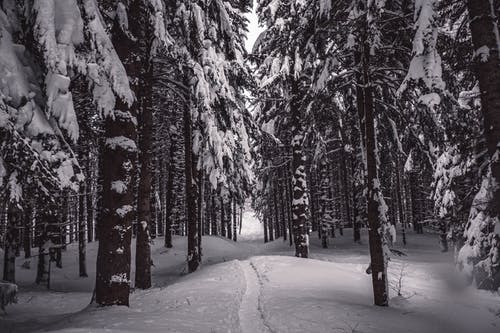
[{"x": 253, "y": 29}]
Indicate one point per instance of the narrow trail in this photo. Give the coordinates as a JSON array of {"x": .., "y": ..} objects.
[{"x": 250, "y": 313}]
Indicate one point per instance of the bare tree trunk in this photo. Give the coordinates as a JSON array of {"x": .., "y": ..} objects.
[
  {"x": 283, "y": 203},
  {"x": 241, "y": 218},
  {"x": 191, "y": 192},
  {"x": 199, "y": 207},
  {"x": 271, "y": 222},
  {"x": 377, "y": 255},
  {"x": 143, "y": 248},
  {"x": 399, "y": 191},
  {"x": 89, "y": 198},
  {"x": 266, "y": 238},
  {"x": 235, "y": 221},
  {"x": 169, "y": 197},
  {"x": 277, "y": 232},
  {"x": 213, "y": 206},
  {"x": 300, "y": 200},
  {"x": 289, "y": 195},
  {"x": 81, "y": 232},
  {"x": 222, "y": 216}
]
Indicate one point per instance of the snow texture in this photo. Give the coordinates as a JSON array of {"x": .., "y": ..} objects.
[{"x": 265, "y": 289}]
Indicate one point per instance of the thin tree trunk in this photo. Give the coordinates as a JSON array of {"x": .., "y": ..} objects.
[
  {"x": 200, "y": 209},
  {"x": 81, "y": 232},
  {"x": 235, "y": 222},
  {"x": 283, "y": 203},
  {"x": 271, "y": 222},
  {"x": 266, "y": 238},
  {"x": 241, "y": 219},
  {"x": 214, "y": 215},
  {"x": 191, "y": 192},
  {"x": 289, "y": 196},
  {"x": 169, "y": 197},
  {"x": 143, "y": 248},
  {"x": 277, "y": 232},
  {"x": 399, "y": 191},
  {"x": 89, "y": 197},
  {"x": 222, "y": 216}
]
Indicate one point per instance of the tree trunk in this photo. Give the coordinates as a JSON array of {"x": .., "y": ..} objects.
[
  {"x": 222, "y": 216},
  {"x": 399, "y": 191},
  {"x": 213, "y": 206},
  {"x": 300, "y": 200},
  {"x": 169, "y": 197},
  {"x": 277, "y": 232},
  {"x": 199, "y": 207},
  {"x": 270, "y": 221},
  {"x": 235, "y": 222},
  {"x": 81, "y": 232},
  {"x": 115, "y": 226},
  {"x": 283, "y": 203},
  {"x": 241, "y": 219},
  {"x": 377, "y": 255},
  {"x": 191, "y": 192},
  {"x": 143, "y": 249},
  {"x": 89, "y": 198},
  {"x": 266, "y": 238},
  {"x": 289, "y": 195}
]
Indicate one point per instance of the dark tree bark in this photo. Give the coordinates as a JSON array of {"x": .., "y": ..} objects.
[
  {"x": 222, "y": 216},
  {"x": 283, "y": 203},
  {"x": 199, "y": 213},
  {"x": 82, "y": 246},
  {"x": 191, "y": 192},
  {"x": 144, "y": 92},
  {"x": 266, "y": 237},
  {"x": 377, "y": 255},
  {"x": 299, "y": 195},
  {"x": 277, "y": 232},
  {"x": 89, "y": 198},
  {"x": 213, "y": 207},
  {"x": 289, "y": 195},
  {"x": 270, "y": 221},
  {"x": 169, "y": 195},
  {"x": 118, "y": 169},
  {"x": 235, "y": 221},
  {"x": 399, "y": 195}
]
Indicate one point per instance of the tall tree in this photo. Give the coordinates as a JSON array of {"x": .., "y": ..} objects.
[{"x": 481, "y": 255}]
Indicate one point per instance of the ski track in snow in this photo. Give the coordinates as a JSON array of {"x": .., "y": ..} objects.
[{"x": 250, "y": 313}]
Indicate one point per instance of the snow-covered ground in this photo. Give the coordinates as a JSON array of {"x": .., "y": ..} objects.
[{"x": 253, "y": 287}]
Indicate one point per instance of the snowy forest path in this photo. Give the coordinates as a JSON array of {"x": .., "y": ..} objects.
[{"x": 250, "y": 313}]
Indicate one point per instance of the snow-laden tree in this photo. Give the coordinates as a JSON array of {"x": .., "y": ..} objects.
[
  {"x": 453, "y": 113},
  {"x": 282, "y": 81},
  {"x": 137, "y": 30},
  {"x": 37, "y": 108},
  {"x": 480, "y": 256}
]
